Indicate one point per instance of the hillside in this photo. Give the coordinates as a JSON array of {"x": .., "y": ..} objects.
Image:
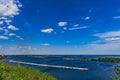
[{"x": 8, "y": 72}]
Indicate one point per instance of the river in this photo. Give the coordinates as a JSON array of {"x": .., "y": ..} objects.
[{"x": 96, "y": 70}]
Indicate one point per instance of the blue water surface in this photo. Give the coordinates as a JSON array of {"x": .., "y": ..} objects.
[{"x": 97, "y": 70}]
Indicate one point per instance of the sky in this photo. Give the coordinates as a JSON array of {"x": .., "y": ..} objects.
[{"x": 60, "y": 27}]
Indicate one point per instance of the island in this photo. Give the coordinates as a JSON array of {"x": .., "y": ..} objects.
[{"x": 106, "y": 59}]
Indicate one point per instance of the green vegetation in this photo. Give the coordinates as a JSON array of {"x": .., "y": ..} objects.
[
  {"x": 117, "y": 71},
  {"x": 81, "y": 59},
  {"x": 2, "y": 57},
  {"x": 95, "y": 59},
  {"x": 9, "y": 72},
  {"x": 107, "y": 59}
]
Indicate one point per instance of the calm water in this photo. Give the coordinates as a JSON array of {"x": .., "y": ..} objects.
[{"x": 97, "y": 70}]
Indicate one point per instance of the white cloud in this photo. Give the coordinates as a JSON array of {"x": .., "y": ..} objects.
[
  {"x": 108, "y": 34},
  {"x": 1, "y": 29},
  {"x": 116, "y": 17},
  {"x": 1, "y": 22},
  {"x": 9, "y": 8},
  {"x": 87, "y": 18},
  {"x": 6, "y": 32},
  {"x": 77, "y": 28},
  {"x": 108, "y": 43},
  {"x": 61, "y": 24},
  {"x": 3, "y": 37},
  {"x": 3, "y": 18},
  {"x": 11, "y": 27},
  {"x": 46, "y": 44},
  {"x": 49, "y": 30},
  {"x": 19, "y": 37},
  {"x": 113, "y": 39},
  {"x": 65, "y": 28},
  {"x": 106, "y": 48},
  {"x": 12, "y": 34},
  {"x": 76, "y": 25},
  {"x": 8, "y": 21}
]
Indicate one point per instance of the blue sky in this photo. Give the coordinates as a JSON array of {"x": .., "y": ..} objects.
[{"x": 60, "y": 27}]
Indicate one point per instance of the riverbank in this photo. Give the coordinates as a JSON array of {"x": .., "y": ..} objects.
[
  {"x": 117, "y": 71},
  {"x": 8, "y": 72}
]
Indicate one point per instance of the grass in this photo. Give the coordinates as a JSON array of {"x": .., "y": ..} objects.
[{"x": 9, "y": 72}]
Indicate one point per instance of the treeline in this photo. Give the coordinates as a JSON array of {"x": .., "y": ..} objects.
[
  {"x": 106, "y": 59},
  {"x": 95, "y": 59},
  {"x": 2, "y": 57}
]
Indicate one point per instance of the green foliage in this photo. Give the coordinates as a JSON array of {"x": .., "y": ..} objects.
[
  {"x": 114, "y": 79},
  {"x": 81, "y": 59},
  {"x": 107, "y": 59},
  {"x": 117, "y": 71},
  {"x": 8, "y": 72},
  {"x": 2, "y": 57}
]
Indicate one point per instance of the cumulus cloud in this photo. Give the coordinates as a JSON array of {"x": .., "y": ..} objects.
[
  {"x": 77, "y": 28},
  {"x": 12, "y": 34},
  {"x": 9, "y": 8},
  {"x": 8, "y": 21},
  {"x": 3, "y": 37},
  {"x": 49, "y": 30},
  {"x": 11, "y": 27},
  {"x": 1, "y": 29},
  {"x": 1, "y": 22},
  {"x": 6, "y": 32},
  {"x": 61, "y": 24},
  {"x": 87, "y": 18}
]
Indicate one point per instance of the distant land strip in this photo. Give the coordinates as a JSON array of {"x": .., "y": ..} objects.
[{"x": 46, "y": 65}]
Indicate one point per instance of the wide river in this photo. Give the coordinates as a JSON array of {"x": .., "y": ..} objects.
[{"x": 96, "y": 70}]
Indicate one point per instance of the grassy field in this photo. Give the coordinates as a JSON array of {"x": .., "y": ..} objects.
[{"x": 8, "y": 72}]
